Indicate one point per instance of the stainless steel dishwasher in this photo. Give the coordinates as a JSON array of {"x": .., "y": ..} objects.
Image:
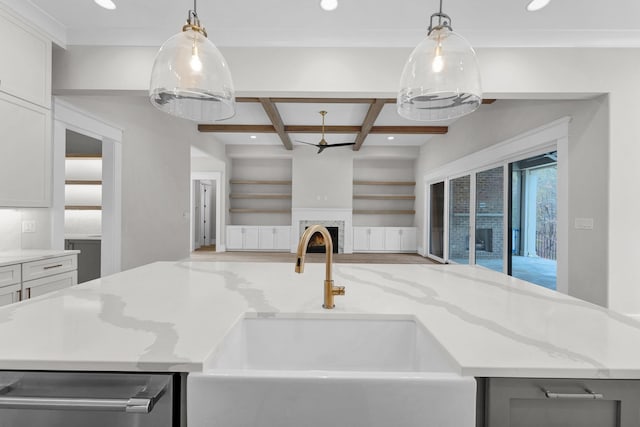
[{"x": 73, "y": 399}]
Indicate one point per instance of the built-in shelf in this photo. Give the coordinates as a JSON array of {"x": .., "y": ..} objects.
[
  {"x": 83, "y": 156},
  {"x": 260, "y": 211},
  {"x": 384, "y": 196},
  {"x": 83, "y": 208},
  {"x": 260, "y": 182},
  {"x": 397, "y": 183},
  {"x": 258, "y": 196},
  {"x": 82, "y": 182},
  {"x": 384, "y": 212}
]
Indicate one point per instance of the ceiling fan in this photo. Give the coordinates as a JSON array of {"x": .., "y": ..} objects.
[{"x": 323, "y": 144}]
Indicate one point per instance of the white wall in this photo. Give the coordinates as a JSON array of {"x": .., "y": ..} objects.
[
  {"x": 155, "y": 177},
  {"x": 11, "y": 235},
  {"x": 588, "y": 173},
  {"x": 322, "y": 180},
  {"x": 530, "y": 73}
]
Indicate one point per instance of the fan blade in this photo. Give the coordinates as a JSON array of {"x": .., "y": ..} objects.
[
  {"x": 308, "y": 143},
  {"x": 341, "y": 144},
  {"x": 321, "y": 148}
]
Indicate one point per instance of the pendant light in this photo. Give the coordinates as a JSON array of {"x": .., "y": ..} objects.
[
  {"x": 441, "y": 78},
  {"x": 190, "y": 77}
]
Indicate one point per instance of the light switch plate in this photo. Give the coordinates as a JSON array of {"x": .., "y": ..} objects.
[
  {"x": 583, "y": 223},
  {"x": 28, "y": 226}
]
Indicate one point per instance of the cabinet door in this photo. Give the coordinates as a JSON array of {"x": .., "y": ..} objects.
[
  {"x": 267, "y": 237},
  {"x": 283, "y": 239},
  {"x": 25, "y": 164},
  {"x": 234, "y": 238},
  {"x": 88, "y": 258},
  {"x": 392, "y": 239},
  {"x": 251, "y": 238},
  {"x": 361, "y": 238},
  {"x": 376, "y": 238},
  {"x": 521, "y": 402},
  {"x": 409, "y": 240},
  {"x": 25, "y": 70},
  {"x": 9, "y": 294},
  {"x": 34, "y": 288}
]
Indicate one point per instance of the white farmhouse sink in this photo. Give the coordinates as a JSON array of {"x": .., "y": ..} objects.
[{"x": 281, "y": 372}]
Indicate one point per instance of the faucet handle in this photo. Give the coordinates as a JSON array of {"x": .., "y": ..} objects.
[{"x": 337, "y": 290}]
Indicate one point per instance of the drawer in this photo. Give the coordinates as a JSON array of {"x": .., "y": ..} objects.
[
  {"x": 9, "y": 294},
  {"x": 47, "y": 267},
  {"x": 35, "y": 288},
  {"x": 10, "y": 275}
]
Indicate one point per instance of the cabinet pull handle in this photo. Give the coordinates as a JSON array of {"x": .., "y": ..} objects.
[
  {"x": 19, "y": 292},
  {"x": 588, "y": 394},
  {"x": 28, "y": 293},
  {"x": 49, "y": 267}
]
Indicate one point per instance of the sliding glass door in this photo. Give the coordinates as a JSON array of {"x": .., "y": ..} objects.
[
  {"x": 534, "y": 219},
  {"x": 489, "y": 219},
  {"x": 459, "y": 220},
  {"x": 436, "y": 220}
]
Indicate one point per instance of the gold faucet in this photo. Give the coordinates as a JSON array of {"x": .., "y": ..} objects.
[{"x": 329, "y": 289}]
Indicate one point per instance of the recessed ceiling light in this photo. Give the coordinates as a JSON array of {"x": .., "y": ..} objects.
[
  {"x": 391, "y": 138},
  {"x": 107, "y": 4},
  {"x": 253, "y": 137},
  {"x": 329, "y": 5},
  {"x": 537, "y": 5}
]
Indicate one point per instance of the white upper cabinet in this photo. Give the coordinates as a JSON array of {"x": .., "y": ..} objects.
[
  {"x": 25, "y": 153},
  {"x": 25, "y": 67},
  {"x": 25, "y": 115}
]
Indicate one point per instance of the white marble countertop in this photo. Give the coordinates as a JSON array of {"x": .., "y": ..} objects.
[
  {"x": 171, "y": 316},
  {"x": 19, "y": 256}
]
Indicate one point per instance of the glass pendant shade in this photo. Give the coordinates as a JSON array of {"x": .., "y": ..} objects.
[
  {"x": 191, "y": 79},
  {"x": 441, "y": 79}
]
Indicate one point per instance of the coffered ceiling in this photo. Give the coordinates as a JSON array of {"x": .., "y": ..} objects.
[{"x": 294, "y": 121}]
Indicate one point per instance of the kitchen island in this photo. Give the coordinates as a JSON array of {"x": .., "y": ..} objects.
[{"x": 171, "y": 316}]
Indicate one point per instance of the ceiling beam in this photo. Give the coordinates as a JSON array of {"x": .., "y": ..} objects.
[
  {"x": 237, "y": 128},
  {"x": 369, "y": 120},
  {"x": 407, "y": 130},
  {"x": 276, "y": 120},
  {"x": 318, "y": 129}
]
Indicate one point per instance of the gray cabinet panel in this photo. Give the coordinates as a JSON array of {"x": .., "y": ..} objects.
[
  {"x": 88, "y": 258},
  {"x": 529, "y": 402}
]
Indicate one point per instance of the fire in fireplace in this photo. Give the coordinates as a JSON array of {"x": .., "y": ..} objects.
[{"x": 316, "y": 243}]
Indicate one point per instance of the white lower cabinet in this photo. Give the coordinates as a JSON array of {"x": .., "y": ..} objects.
[
  {"x": 10, "y": 284},
  {"x": 384, "y": 239},
  {"x": 528, "y": 402},
  {"x": 251, "y": 238},
  {"x": 19, "y": 282},
  {"x": 9, "y": 294}
]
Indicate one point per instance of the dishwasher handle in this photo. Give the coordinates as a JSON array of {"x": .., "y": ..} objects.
[
  {"x": 133, "y": 405},
  {"x": 142, "y": 403}
]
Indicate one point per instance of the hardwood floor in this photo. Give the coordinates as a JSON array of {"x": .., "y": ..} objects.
[{"x": 360, "y": 258}]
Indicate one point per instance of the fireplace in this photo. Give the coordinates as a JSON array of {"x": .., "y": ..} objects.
[
  {"x": 316, "y": 243},
  {"x": 484, "y": 239}
]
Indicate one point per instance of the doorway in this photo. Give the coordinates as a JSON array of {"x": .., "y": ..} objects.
[
  {"x": 207, "y": 219},
  {"x": 204, "y": 211}
]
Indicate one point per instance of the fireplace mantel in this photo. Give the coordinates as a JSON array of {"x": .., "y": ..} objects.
[{"x": 301, "y": 217}]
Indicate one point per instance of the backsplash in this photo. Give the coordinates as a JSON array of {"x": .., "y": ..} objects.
[{"x": 11, "y": 235}]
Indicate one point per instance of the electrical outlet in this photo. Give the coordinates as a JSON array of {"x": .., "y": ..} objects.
[
  {"x": 28, "y": 226},
  {"x": 583, "y": 224}
]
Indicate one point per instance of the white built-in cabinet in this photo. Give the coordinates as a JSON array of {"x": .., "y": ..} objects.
[
  {"x": 384, "y": 239},
  {"x": 251, "y": 238},
  {"x": 27, "y": 280},
  {"x": 25, "y": 111}
]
